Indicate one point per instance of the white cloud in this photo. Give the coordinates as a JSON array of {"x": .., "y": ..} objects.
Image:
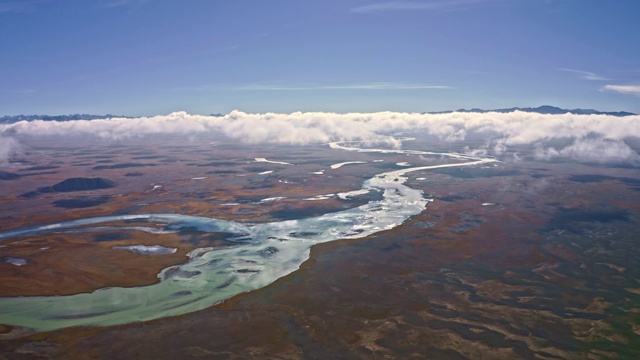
[
  {"x": 287, "y": 87},
  {"x": 119, "y": 3},
  {"x": 586, "y": 75},
  {"x": 592, "y": 150},
  {"x": 8, "y": 147},
  {"x": 417, "y": 5},
  {"x": 501, "y": 131},
  {"x": 22, "y": 6},
  {"x": 623, "y": 89}
]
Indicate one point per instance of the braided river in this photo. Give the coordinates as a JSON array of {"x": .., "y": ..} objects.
[{"x": 261, "y": 254}]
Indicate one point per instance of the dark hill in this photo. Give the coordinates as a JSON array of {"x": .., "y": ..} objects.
[
  {"x": 81, "y": 184},
  {"x": 74, "y": 184},
  {"x": 5, "y": 175}
]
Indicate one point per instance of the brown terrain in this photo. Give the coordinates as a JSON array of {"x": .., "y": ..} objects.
[{"x": 523, "y": 260}]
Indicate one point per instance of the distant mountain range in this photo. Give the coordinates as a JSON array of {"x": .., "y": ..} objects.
[
  {"x": 8, "y": 119},
  {"x": 545, "y": 109},
  {"x": 15, "y": 118}
]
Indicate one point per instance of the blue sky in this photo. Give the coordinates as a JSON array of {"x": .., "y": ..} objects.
[{"x": 146, "y": 57}]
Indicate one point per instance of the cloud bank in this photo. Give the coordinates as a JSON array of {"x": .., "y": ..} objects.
[{"x": 584, "y": 137}]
